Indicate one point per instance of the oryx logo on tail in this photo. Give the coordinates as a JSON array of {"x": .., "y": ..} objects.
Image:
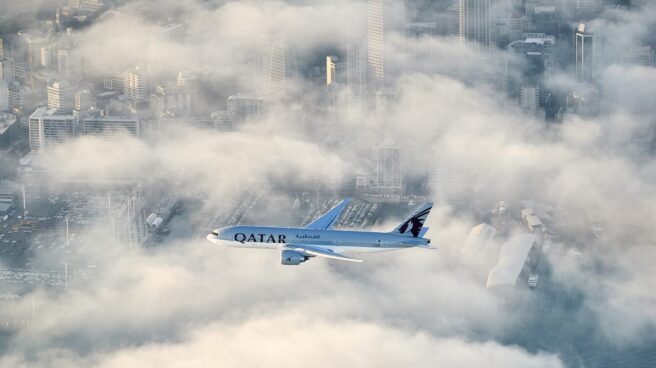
[{"x": 415, "y": 222}]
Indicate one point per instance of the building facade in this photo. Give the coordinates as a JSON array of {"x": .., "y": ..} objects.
[
  {"x": 47, "y": 129},
  {"x": 474, "y": 22}
]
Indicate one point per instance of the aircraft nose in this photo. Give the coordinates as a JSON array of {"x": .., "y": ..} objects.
[{"x": 213, "y": 236}]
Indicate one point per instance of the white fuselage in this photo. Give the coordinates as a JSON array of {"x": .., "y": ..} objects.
[{"x": 262, "y": 237}]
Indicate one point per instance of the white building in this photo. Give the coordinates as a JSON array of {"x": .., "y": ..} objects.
[
  {"x": 274, "y": 68},
  {"x": 474, "y": 22},
  {"x": 135, "y": 83},
  {"x": 376, "y": 42},
  {"x": 478, "y": 238},
  {"x": 47, "y": 128},
  {"x": 514, "y": 254},
  {"x": 61, "y": 97}
]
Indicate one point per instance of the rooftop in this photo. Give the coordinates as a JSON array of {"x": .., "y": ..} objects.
[
  {"x": 511, "y": 261},
  {"x": 6, "y": 121}
]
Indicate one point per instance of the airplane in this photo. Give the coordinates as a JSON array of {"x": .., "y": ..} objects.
[{"x": 319, "y": 239}]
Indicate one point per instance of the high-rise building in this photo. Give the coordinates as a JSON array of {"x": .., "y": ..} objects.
[
  {"x": 64, "y": 63},
  {"x": 20, "y": 72},
  {"x": 588, "y": 8},
  {"x": 45, "y": 56},
  {"x": 90, "y": 5},
  {"x": 2, "y": 48},
  {"x": 187, "y": 80},
  {"x": 588, "y": 54},
  {"x": 114, "y": 82},
  {"x": 453, "y": 19},
  {"x": 110, "y": 126},
  {"x": 4, "y": 96},
  {"x": 169, "y": 100},
  {"x": 529, "y": 98},
  {"x": 243, "y": 106},
  {"x": 375, "y": 42},
  {"x": 274, "y": 68},
  {"x": 388, "y": 167},
  {"x": 474, "y": 22},
  {"x": 331, "y": 68},
  {"x": 7, "y": 70},
  {"x": 356, "y": 71},
  {"x": 21, "y": 96},
  {"x": 33, "y": 46},
  {"x": 135, "y": 83},
  {"x": 47, "y": 128},
  {"x": 61, "y": 97}
]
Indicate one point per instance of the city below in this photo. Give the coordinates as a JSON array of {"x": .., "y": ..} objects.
[{"x": 131, "y": 129}]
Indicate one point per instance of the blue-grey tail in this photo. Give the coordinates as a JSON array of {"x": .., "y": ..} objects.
[{"x": 413, "y": 225}]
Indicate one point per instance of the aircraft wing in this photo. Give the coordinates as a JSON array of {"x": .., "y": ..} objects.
[
  {"x": 320, "y": 252},
  {"x": 327, "y": 220}
]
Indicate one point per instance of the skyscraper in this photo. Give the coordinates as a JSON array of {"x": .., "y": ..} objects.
[
  {"x": 64, "y": 63},
  {"x": 331, "y": 68},
  {"x": 135, "y": 83},
  {"x": 356, "y": 71},
  {"x": 475, "y": 22},
  {"x": 4, "y": 96},
  {"x": 7, "y": 70},
  {"x": 61, "y": 97},
  {"x": 274, "y": 68},
  {"x": 375, "y": 43},
  {"x": 588, "y": 54},
  {"x": 388, "y": 167}
]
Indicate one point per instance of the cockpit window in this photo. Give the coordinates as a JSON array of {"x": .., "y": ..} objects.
[{"x": 215, "y": 233}]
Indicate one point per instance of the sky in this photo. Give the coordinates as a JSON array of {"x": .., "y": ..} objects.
[{"x": 193, "y": 304}]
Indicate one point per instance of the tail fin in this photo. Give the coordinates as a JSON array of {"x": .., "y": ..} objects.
[{"x": 413, "y": 224}]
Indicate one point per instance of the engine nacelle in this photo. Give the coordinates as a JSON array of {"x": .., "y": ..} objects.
[{"x": 291, "y": 258}]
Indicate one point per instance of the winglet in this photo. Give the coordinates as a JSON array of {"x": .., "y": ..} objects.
[{"x": 327, "y": 220}]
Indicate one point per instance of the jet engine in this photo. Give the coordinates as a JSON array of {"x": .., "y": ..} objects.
[{"x": 289, "y": 257}]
